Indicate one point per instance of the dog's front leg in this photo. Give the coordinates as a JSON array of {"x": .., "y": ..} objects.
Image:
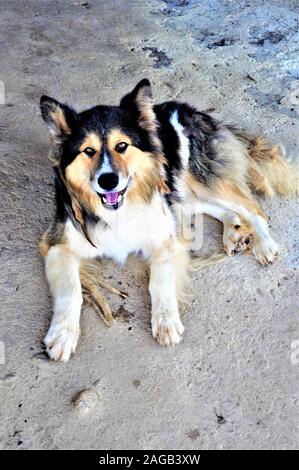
[
  {"x": 165, "y": 278},
  {"x": 62, "y": 270}
]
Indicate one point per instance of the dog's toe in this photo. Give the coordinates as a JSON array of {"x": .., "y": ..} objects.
[{"x": 167, "y": 332}]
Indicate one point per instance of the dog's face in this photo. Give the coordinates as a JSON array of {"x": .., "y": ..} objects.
[{"x": 107, "y": 153}]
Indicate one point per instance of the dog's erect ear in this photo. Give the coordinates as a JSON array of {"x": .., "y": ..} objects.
[
  {"x": 59, "y": 117},
  {"x": 139, "y": 103}
]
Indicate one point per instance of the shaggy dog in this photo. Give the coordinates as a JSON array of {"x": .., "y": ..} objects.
[{"x": 125, "y": 174}]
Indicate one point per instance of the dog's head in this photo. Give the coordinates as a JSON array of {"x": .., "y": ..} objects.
[{"x": 107, "y": 154}]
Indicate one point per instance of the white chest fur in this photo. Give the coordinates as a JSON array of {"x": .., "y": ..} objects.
[{"x": 134, "y": 228}]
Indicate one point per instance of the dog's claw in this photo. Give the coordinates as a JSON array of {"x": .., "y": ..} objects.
[{"x": 265, "y": 251}]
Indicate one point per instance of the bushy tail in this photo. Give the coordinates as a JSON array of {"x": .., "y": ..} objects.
[{"x": 269, "y": 172}]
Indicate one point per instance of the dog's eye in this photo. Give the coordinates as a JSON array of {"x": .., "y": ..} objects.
[
  {"x": 121, "y": 147},
  {"x": 89, "y": 151}
]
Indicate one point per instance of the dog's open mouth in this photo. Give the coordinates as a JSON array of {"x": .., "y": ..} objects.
[{"x": 112, "y": 199}]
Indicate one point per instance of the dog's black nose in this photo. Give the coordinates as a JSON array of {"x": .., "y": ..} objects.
[{"x": 108, "y": 181}]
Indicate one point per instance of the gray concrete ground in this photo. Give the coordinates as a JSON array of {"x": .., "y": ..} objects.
[{"x": 232, "y": 383}]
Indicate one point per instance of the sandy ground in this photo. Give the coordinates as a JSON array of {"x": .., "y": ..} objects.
[{"x": 231, "y": 383}]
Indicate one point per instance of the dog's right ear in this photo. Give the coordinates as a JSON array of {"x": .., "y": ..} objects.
[{"x": 59, "y": 117}]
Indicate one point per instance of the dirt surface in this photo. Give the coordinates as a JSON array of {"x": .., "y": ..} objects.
[{"x": 232, "y": 382}]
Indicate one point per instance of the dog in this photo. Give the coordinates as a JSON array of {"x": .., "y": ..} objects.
[{"x": 122, "y": 176}]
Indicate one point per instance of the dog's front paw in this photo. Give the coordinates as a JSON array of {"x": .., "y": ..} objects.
[
  {"x": 265, "y": 251},
  {"x": 61, "y": 342},
  {"x": 167, "y": 331}
]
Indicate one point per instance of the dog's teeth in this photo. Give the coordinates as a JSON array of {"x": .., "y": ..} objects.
[{"x": 119, "y": 198}]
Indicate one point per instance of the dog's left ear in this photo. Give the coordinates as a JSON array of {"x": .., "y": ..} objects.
[{"x": 139, "y": 103}]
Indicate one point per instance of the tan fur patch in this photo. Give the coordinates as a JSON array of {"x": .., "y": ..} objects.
[
  {"x": 83, "y": 168},
  {"x": 79, "y": 174},
  {"x": 147, "y": 119},
  {"x": 44, "y": 245},
  {"x": 120, "y": 160},
  {"x": 144, "y": 167},
  {"x": 146, "y": 177},
  {"x": 269, "y": 172},
  {"x": 145, "y": 104},
  {"x": 195, "y": 188},
  {"x": 59, "y": 118},
  {"x": 258, "y": 181},
  {"x": 116, "y": 136},
  {"x": 226, "y": 190},
  {"x": 231, "y": 192},
  {"x": 91, "y": 140},
  {"x": 54, "y": 235}
]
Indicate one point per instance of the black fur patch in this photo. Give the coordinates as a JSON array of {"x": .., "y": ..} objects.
[
  {"x": 170, "y": 143},
  {"x": 199, "y": 128}
]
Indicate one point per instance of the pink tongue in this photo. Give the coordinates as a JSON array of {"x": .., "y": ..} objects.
[{"x": 111, "y": 197}]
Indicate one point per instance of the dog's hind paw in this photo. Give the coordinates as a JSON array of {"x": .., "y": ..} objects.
[
  {"x": 237, "y": 236},
  {"x": 237, "y": 247},
  {"x": 61, "y": 342},
  {"x": 167, "y": 331},
  {"x": 265, "y": 251}
]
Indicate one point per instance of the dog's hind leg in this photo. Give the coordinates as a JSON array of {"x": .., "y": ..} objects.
[
  {"x": 237, "y": 234},
  {"x": 168, "y": 270},
  {"x": 240, "y": 200},
  {"x": 62, "y": 270},
  {"x": 244, "y": 222}
]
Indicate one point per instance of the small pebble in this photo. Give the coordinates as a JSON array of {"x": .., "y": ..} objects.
[{"x": 85, "y": 401}]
